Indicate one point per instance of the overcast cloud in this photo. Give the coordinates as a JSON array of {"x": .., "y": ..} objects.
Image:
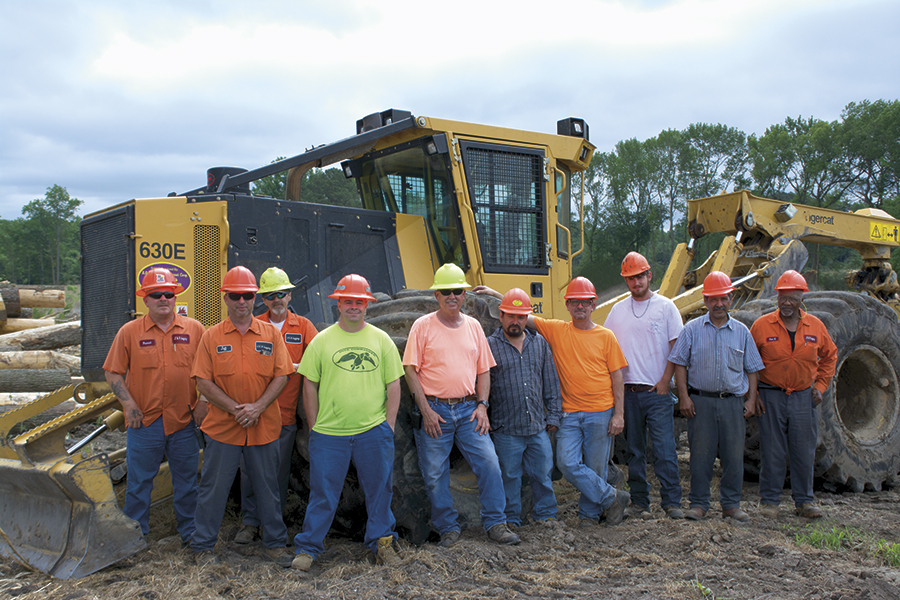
[{"x": 118, "y": 100}]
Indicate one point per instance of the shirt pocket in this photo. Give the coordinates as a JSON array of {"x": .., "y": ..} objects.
[
  {"x": 150, "y": 357},
  {"x": 735, "y": 359}
]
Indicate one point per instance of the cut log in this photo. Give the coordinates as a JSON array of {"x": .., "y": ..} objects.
[
  {"x": 13, "y": 325},
  {"x": 42, "y": 299},
  {"x": 10, "y": 295},
  {"x": 40, "y": 359},
  {"x": 33, "y": 380},
  {"x": 45, "y": 338}
]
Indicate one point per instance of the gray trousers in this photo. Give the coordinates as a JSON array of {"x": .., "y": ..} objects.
[
  {"x": 788, "y": 430},
  {"x": 220, "y": 465}
]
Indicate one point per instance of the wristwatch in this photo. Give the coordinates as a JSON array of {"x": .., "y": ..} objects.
[{"x": 482, "y": 402}]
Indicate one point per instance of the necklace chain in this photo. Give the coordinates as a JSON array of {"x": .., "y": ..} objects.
[{"x": 646, "y": 308}]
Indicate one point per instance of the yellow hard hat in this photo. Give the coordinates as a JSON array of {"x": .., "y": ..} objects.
[
  {"x": 450, "y": 277},
  {"x": 274, "y": 280}
]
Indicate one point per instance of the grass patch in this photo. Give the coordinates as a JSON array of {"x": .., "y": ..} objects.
[{"x": 843, "y": 538}]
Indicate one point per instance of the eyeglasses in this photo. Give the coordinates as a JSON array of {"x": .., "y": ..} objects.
[
  {"x": 234, "y": 296},
  {"x": 580, "y": 302},
  {"x": 274, "y": 295},
  {"x": 158, "y": 295},
  {"x": 457, "y": 292}
]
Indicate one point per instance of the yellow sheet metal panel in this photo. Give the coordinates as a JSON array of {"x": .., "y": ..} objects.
[
  {"x": 418, "y": 258},
  {"x": 189, "y": 239}
]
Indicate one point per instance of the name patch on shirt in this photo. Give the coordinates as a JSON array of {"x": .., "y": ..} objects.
[
  {"x": 811, "y": 338},
  {"x": 264, "y": 348},
  {"x": 221, "y": 349},
  {"x": 772, "y": 339},
  {"x": 181, "y": 338},
  {"x": 146, "y": 343},
  {"x": 293, "y": 338}
]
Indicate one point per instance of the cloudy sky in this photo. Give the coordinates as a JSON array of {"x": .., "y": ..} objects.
[{"x": 116, "y": 100}]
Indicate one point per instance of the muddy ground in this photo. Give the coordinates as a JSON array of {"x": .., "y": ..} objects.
[{"x": 658, "y": 558}]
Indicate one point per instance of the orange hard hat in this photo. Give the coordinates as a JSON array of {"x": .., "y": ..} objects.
[
  {"x": 516, "y": 302},
  {"x": 353, "y": 286},
  {"x": 239, "y": 279},
  {"x": 159, "y": 278},
  {"x": 791, "y": 280},
  {"x": 633, "y": 264},
  {"x": 580, "y": 288},
  {"x": 717, "y": 283}
]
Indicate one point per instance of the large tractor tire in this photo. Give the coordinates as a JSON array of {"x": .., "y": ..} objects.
[
  {"x": 410, "y": 505},
  {"x": 859, "y": 418}
]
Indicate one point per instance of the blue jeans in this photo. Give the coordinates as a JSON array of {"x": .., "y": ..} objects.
[
  {"x": 146, "y": 447},
  {"x": 248, "y": 499},
  {"x": 534, "y": 454},
  {"x": 717, "y": 428},
  {"x": 789, "y": 428},
  {"x": 583, "y": 445},
  {"x": 478, "y": 450},
  {"x": 653, "y": 414},
  {"x": 372, "y": 452},
  {"x": 220, "y": 465}
]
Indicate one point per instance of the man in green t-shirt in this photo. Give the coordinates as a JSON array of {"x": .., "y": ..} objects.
[{"x": 351, "y": 393}]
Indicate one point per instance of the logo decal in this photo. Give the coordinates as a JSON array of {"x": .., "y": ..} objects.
[
  {"x": 355, "y": 359},
  {"x": 181, "y": 276},
  {"x": 293, "y": 338},
  {"x": 181, "y": 310},
  {"x": 264, "y": 348},
  {"x": 811, "y": 338},
  {"x": 181, "y": 338},
  {"x": 146, "y": 343},
  {"x": 221, "y": 349}
]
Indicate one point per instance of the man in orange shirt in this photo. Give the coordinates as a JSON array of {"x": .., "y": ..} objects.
[
  {"x": 241, "y": 367},
  {"x": 800, "y": 359},
  {"x": 149, "y": 370},
  {"x": 297, "y": 332},
  {"x": 590, "y": 363}
]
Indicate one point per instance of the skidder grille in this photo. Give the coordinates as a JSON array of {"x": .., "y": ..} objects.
[{"x": 207, "y": 275}]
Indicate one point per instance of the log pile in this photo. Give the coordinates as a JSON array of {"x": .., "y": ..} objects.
[{"x": 28, "y": 361}]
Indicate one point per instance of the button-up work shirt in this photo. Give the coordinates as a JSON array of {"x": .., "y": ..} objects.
[
  {"x": 811, "y": 361},
  {"x": 717, "y": 358},
  {"x": 525, "y": 395}
]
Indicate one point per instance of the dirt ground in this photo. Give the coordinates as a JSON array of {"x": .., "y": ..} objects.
[{"x": 657, "y": 558}]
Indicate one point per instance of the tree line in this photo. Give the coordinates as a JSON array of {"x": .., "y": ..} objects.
[{"x": 636, "y": 194}]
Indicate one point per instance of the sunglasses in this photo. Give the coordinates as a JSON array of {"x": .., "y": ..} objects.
[
  {"x": 158, "y": 295},
  {"x": 234, "y": 296},
  {"x": 456, "y": 292},
  {"x": 579, "y": 302},
  {"x": 274, "y": 295}
]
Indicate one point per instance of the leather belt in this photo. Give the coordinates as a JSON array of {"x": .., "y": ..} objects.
[
  {"x": 696, "y": 392},
  {"x": 451, "y": 401},
  {"x": 767, "y": 386},
  {"x": 637, "y": 388}
]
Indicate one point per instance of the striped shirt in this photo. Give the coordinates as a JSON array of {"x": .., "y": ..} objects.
[
  {"x": 717, "y": 358},
  {"x": 525, "y": 395}
]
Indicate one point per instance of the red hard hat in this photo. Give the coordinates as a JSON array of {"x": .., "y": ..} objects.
[
  {"x": 516, "y": 302},
  {"x": 717, "y": 283},
  {"x": 791, "y": 280},
  {"x": 633, "y": 264},
  {"x": 239, "y": 279},
  {"x": 580, "y": 289},
  {"x": 353, "y": 286},
  {"x": 159, "y": 278}
]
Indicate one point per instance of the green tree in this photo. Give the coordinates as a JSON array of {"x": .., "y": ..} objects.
[
  {"x": 54, "y": 213},
  {"x": 272, "y": 185},
  {"x": 329, "y": 186},
  {"x": 871, "y": 139},
  {"x": 720, "y": 159}
]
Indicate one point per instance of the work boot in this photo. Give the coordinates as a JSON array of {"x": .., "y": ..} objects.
[
  {"x": 386, "y": 553},
  {"x": 809, "y": 511},
  {"x": 737, "y": 514},
  {"x": 501, "y": 534},
  {"x": 616, "y": 510},
  {"x": 281, "y": 556},
  {"x": 584, "y": 523},
  {"x": 246, "y": 534},
  {"x": 302, "y": 562},
  {"x": 449, "y": 538},
  {"x": 674, "y": 512},
  {"x": 769, "y": 511},
  {"x": 637, "y": 512},
  {"x": 695, "y": 513}
]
